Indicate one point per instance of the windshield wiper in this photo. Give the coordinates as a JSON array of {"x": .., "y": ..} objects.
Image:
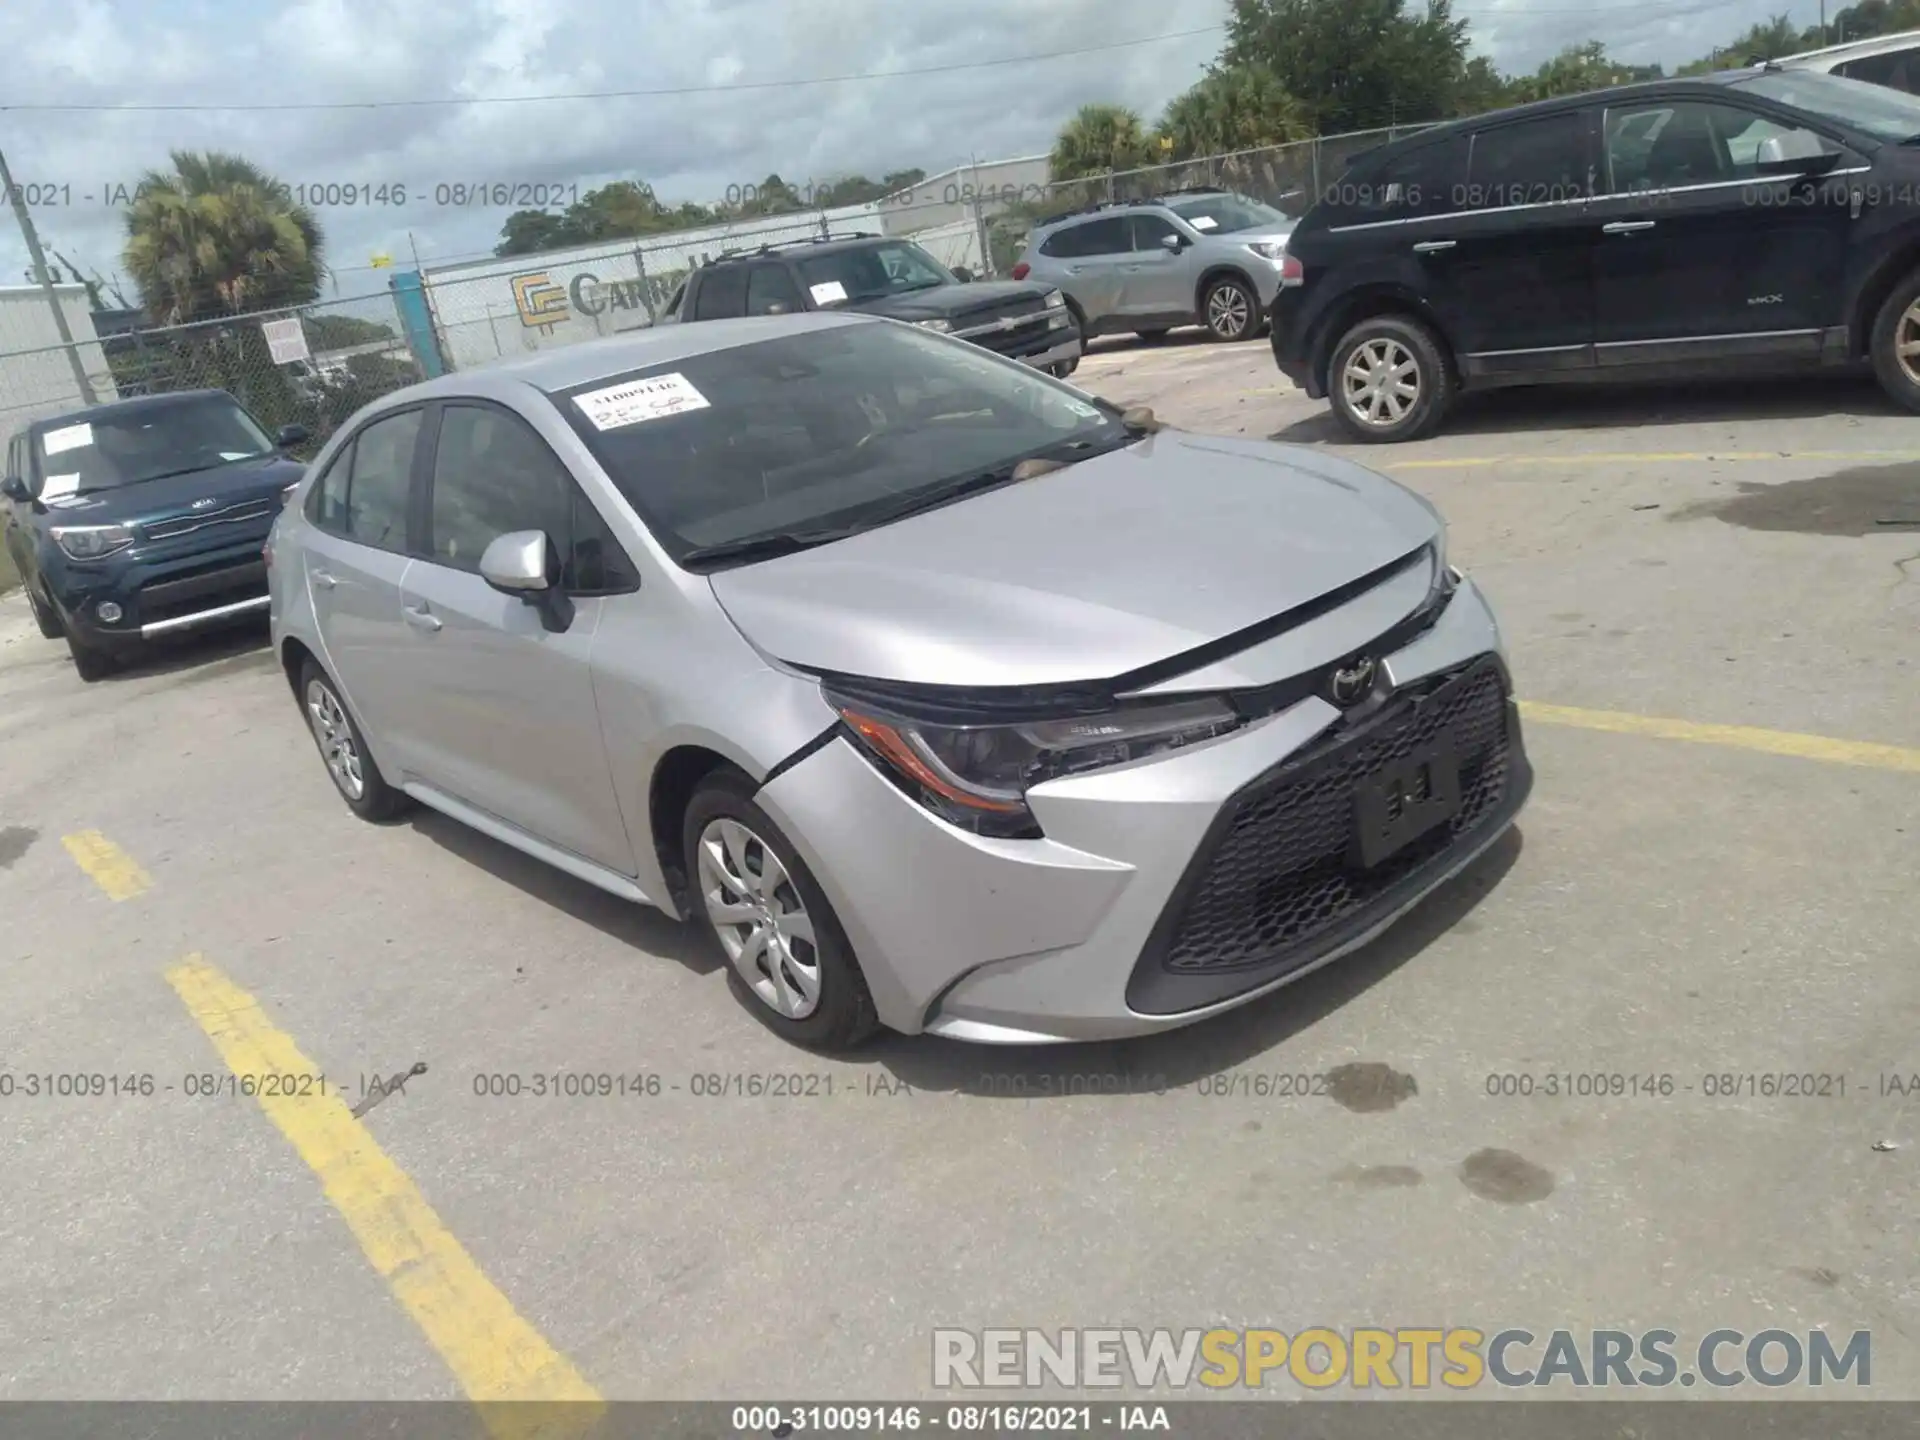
[{"x": 767, "y": 546}]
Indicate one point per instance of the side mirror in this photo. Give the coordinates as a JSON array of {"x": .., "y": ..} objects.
[
  {"x": 526, "y": 564},
  {"x": 963, "y": 274},
  {"x": 1174, "y": 243},
  {"x": 14, "y": 487},
  {"x": 1776, "y": 156},
  {"x": 290, "y": 435}
]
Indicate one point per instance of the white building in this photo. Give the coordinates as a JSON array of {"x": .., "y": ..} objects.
[{"x": 36, "y": 372}]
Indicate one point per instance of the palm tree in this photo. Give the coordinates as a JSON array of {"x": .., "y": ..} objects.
[
  {"x": 1240, "y": 107},
  {"x": 1099, "y": 139},
  {"x": 219, "y": 236}
]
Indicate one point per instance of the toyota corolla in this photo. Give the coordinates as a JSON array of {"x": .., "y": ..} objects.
[{"x": 947, "y": 697}]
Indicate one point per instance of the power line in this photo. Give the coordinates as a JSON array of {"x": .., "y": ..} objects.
[{"x": 633, "y": 94}]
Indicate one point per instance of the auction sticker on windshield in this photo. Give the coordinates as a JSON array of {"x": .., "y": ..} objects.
[
  {"x": 827, "y": 293},
  {"x": 1204, "y": 222},
  {"x": 640, "y": 400},
  {"x": 68, "y": 437}
]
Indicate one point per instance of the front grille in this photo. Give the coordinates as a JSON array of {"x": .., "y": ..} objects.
[
  {"x": 1279, "y": 876},
  {"x": 1026, "y": 307},
  {"x": 187, "y": 524}
]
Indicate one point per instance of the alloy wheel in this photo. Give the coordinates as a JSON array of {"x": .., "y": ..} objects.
[
  {"x": 1906, "y": 342},
  {"x": 335, "y": 735},
  {"x": 1380, "y": 382},
  {"x": 762, "y": 922},
  {"x": 1229, "y": 311}
]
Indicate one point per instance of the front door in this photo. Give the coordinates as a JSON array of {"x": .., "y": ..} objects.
[
  {"x": 1158, "y": 282},
  {"x": 509, "y": 704},
  {"x": 1697, "y": 254}
]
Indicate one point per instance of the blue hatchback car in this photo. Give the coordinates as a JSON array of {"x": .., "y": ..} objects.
[{"x": 143, "y": 518}]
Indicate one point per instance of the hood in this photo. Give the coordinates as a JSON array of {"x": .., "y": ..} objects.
[
  {"x": 1086, "y": 573},
  {"x": 944, "y": 302},
  {"x": 174, "y": 497}
]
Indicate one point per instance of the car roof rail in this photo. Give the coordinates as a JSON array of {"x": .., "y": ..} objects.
[
  {"x": 1079, "y": 210},
  {"x": 774, "y": 245}
]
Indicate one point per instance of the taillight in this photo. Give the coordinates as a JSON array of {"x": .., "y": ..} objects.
[
  {"x": 1292, "y": 272},
  {"x": 1022, "y": 270}
]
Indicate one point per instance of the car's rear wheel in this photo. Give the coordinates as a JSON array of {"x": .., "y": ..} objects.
[
  {"x": 1061, "y": 369},
  {"x": 44, "y": 613},
  {"x": 1388, "y": 380},
  {"x": 789, "y": 960},
  {"x": 349, "y": 764},
  {"x": 1229, "y": 309},
  {"x": 1895, "y": 343}
]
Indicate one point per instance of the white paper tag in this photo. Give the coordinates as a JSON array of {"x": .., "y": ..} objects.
[
  {"x": 1203, "y": 222},
  {"x": 58, "y": 485},
  {"x": 828, "y": 293},
  {"x": 67, "y": 437},
  {"x": 640, "y": 400},
  {"x": 1083, "y": 410}
]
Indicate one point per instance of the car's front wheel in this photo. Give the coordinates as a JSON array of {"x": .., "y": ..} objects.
[
  {"x": 1229, "y": 309},
  {"x": 1388, "y": 380},
  {"x": 344, "y": 750},
  {"x": 1895, "y": 343},
  {"x": 44, "y": 613},
  {"x": 789, "y": 958},
  {"x": 1061, "y": 369}
]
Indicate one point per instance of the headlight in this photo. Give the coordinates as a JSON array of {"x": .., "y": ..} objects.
[
  {"x": 940, "y": 325},
  {"x": 976, "y": 776},
  {"x": 1268, "y": 249},
  {"x": 90, "y": 542},
  {"x": 1056, "y": 300}
]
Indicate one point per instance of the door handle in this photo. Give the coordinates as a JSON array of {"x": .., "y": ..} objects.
[
  {"x": 324, "y": 579},
  {"x": 1626, "y": 227},
  {"x": 1429, "y": 247},
  {"x": 421, "y": 618}
]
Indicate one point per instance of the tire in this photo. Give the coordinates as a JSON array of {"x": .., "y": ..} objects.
[
  {"x": 44, "y": 614},
  {"x": 1150, "y": 337},
  {"x": 728, "y": 841},
  {"x": 343, "y": 750},
  {"x": 1392, "y": 342},
  {"x": 1229, "y": 310},
  {"x": 1897, "y": 326},
  {"x": 88, "y": 663},
  {"x": 1060, "y": 370}
]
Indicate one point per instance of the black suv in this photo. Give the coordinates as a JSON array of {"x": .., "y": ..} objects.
[
  {"x": 1756, "y": 219},
  {"x": 878, "y": 276},
  {"x": 143, "y": 518}
]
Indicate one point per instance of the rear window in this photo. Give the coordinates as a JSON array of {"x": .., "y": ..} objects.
[
  {"x": 1413, "y": 183},
  {"x": 1531, "y": 162}
]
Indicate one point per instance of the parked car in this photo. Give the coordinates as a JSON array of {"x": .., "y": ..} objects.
[
  {"x": 877, "y": 276},
  {"x": 143, "y": 518},
  {"x": 944, "y": 696},
  {"x": 1194, "y": 257},
  {"x": 1891, "y": 60}
]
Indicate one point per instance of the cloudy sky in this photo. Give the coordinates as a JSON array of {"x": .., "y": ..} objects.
[{"x": 117, "y": 53}]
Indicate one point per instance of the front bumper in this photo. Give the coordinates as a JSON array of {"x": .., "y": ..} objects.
[
  {"x": 161, "y": 596},
  {"x": 1079, "y": 936}
]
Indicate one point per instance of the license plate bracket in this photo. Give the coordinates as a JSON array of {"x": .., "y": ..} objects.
[{"x": 1406, "y": 801}]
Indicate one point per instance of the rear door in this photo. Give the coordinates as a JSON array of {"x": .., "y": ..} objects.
[
  {"x": 1095, "y": 255},
  {"x": 355, "y": 557},
  {"x": 508, "y": 704},
  {"x": 1699, "y": 256}
]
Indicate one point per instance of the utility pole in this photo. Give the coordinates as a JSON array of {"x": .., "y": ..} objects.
[{"x": 45, "y": 280}]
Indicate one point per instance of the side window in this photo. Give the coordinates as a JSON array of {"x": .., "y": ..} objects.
[
  {"x": 1103, "y": 237},
  {"x": 597, "y": 565},
  {"x": 721, "y": 293},
  {"x": 1534, "y": 162},
  {"x": 380, "y": 481},
  {"x": 1426, "y": 181},
  {"x": 771, "y": 291},
  {"x": 1659, "y": 147},
  {"x": 327, "y": 497},
  {"x": 1149, "y": 231},
  {"x": 1897, "y": 69},
  {"x": 1063, "y": 244}
]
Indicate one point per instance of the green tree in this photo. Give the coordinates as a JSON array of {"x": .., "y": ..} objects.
[
  {"x": 1578, "y": 69},
  {"x": 1353, "y": 64},
  {"x": 219, "y": 236},
  {"x": 1099, "y": 139},
  {"x": 1481, "y": 88},
  {"x": 1234, "y": 107},
  {"x": 338, "y": 332}
]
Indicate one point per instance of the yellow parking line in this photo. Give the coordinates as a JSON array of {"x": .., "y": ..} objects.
[
  {"x": 1742, "y": 737},
  {"x": 524, "y": 1387},
  {"x": 1470, "y": 462},
  {"x": 109, "y": 867}
]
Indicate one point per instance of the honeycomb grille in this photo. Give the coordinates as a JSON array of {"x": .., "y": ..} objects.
[{"x": 1280, "y": 874}]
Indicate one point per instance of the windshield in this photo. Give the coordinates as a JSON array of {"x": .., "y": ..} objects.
[
  {"x": 1227, "y": 214},
  {"x": 1880, "y": 112},
  {"x": 871, "y": 272},
  {"x": 822, "y": 430},
  {"x": 129, "y": 448}
]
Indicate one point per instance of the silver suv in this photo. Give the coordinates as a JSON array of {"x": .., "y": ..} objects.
[
  {"x": 942, "y": 695},
  {"x": 1196, "y": 257}
]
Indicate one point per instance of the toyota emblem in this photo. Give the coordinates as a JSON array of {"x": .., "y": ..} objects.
[{"x": 1352, "y": 682}]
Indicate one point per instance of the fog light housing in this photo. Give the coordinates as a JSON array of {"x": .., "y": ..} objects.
[{"x": 108, "y": 611}]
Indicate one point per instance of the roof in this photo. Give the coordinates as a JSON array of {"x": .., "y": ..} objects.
[
  {"x": 119, "y": 409},
  {"x": 1134, "y": 202},
  {"x": 1874, "y": 45},
  {"x": 809, "y": 245}
]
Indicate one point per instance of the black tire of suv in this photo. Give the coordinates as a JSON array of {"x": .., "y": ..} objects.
[
  {"x": 1433, "y": 374},
  {"x": 88, "y": 663},
  {"x": 44, "y": 614},
  {"x": 1061, "y": 369},
  {"x": 1902, "y": 386},
  {"x": 1250, "y": 301},
  {"x": 844, "y": 1017},
  {"x": 378, "y": 802}
]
